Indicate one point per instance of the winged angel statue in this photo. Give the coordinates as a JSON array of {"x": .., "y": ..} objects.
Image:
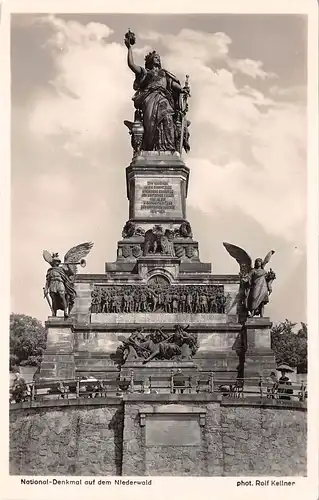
[
  {"x": 256, "y": 282},
  {"x": 60, "y": 277}
]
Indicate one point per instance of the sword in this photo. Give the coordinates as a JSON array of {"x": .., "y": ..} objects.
[
  {"x": 183, "y": 111},
  {"x": 47, "y": 297}
]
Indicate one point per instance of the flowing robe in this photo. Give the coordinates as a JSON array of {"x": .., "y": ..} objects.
[
  {"x": 259, "y": 292},
  {"x": 156, "y": 99}
]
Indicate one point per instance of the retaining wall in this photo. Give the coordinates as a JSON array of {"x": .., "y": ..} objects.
[{"x": 159, "y": 434}]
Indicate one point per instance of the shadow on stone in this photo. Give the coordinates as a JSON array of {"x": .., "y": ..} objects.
[{"x": 117, "y": 424}]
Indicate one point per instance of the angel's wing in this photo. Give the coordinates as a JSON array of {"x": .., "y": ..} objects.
[
  {"x": 268, "y": 257},
  {"x": 240, "y": 255},
  {"x": 75, "y": 254},
  {"x": 47, "y": 256}
]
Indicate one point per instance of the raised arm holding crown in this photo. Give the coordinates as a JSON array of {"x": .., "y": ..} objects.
[{"x": 158, "y": 102}]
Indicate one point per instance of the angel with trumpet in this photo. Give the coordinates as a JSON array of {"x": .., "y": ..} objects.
[
  {"x": 60, "y": 276},
  {"x": 256, "y": 282}
]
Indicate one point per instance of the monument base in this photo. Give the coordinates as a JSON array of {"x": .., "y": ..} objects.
[
  {"x": 157, "y": 283},
  {"x": 83, "y": 349}
]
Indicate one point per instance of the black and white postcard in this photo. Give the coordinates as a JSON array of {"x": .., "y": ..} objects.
[{"x": 159, "y": 189}]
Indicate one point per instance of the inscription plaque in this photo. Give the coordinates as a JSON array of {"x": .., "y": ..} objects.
[
  {"x": 156, "y": 197},
  {"x": 173, "y": 430}
]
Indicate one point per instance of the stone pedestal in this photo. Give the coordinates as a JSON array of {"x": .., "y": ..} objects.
[
  {"x": 157, "y": 184},
  {"x": 259, "y": 356},
  {"x": 148, "y": 287},
  {"x": 58, "y": 359}
]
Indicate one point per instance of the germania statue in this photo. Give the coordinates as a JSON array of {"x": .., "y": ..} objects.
[
  {"x": 59, "y": 284},
  {"x": 161, "y": 105}
]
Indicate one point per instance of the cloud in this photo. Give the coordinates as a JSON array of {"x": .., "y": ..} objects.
[
  {"x": 89, "y": 94},
  {"x": 249, "y": 68},
  {"x": 250, "y": 147},
  {"x": 296, "y": 93},
  {"x": 208, "y": 49},
  {"x": 72, "y": 32},
  {"x": 192, "y": 45},
  {"x": 264, "y": 177}
]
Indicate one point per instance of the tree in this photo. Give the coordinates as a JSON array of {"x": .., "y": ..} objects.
[
  {"x": 302, "y": 348},
  {"x": 290, "y": 347},
  {"x": 27, "y": 340}
]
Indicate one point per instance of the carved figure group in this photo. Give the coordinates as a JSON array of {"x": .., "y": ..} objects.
[
  {"x": 180, "y": 345},
  {"x": 255, "y": 282},
  {"x": 171, "y": 299},
  {"x": 156, "y": 241},
  {"x": 59, "y": 284},
  {"x": 130, "y": 230},
  {"x": 160, "y": 101}
]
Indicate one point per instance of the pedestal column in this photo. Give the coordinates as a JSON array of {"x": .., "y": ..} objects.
[{"x": 58, "y": 358}]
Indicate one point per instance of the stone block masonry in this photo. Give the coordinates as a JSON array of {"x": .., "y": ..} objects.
[
  {"x": 261, "y": 441},
  {"x": 76, "y": 440},
  {"x": 135, "y": 435}
]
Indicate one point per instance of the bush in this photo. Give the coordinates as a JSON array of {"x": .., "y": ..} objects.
[{"x": 289, "y": 346}]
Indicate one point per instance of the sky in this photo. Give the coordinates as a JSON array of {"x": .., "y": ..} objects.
[{"x": 71, "y": 90}]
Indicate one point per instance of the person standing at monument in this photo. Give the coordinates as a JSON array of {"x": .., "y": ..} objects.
[
  {"x": 272, "y": 385},
  {"x": 284, "y": 382}
]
